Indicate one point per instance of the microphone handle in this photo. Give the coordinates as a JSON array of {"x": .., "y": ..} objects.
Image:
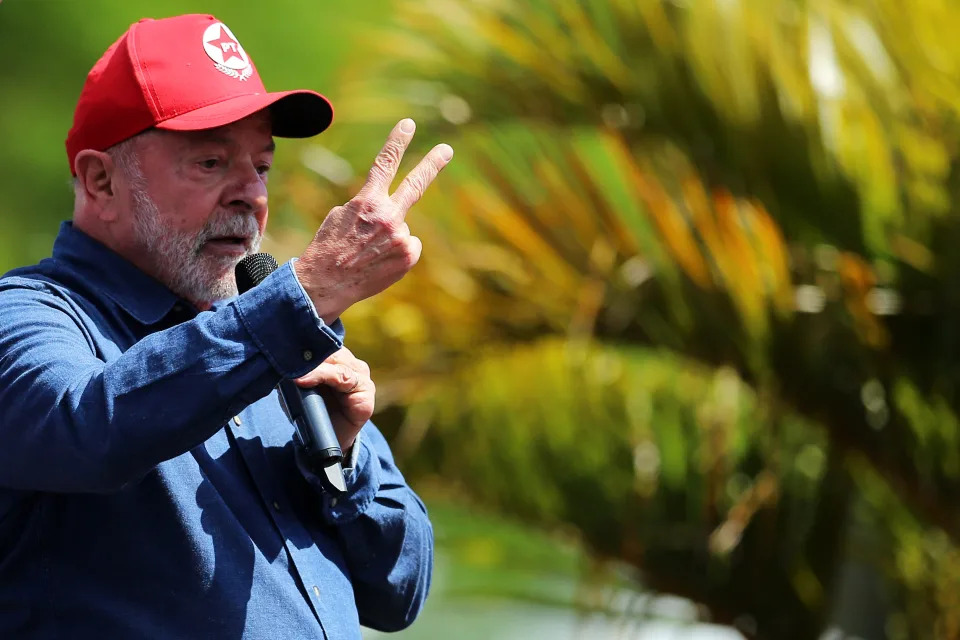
[{"x": 321, "y": 449}]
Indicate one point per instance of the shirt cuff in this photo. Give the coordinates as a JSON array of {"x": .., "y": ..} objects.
[
  {"x": 282, "y": 322},
  {"x": 351, "y": 461},
  {"x": 362, "y": 476}
]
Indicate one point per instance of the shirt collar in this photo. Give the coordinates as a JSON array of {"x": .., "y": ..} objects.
[{"x": 111, "y": 275}]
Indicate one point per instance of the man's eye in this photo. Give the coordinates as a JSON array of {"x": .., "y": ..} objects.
[
  {"x": 263, "y": 169},
  {"x": 210, "y": 163}
]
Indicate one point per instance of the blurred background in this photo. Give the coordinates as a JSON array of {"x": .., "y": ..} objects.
[{"x": 682, "y": 356}]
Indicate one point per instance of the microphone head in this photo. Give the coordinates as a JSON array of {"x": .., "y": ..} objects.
[{"x": 253, "y": 269}]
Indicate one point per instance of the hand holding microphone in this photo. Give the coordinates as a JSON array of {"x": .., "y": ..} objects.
[
  {"x": 341, "y": 387},
  {"x": 349, "y": 392}
]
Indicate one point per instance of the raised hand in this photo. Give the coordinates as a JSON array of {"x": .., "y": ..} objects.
[{"x": 365, "y": 245}]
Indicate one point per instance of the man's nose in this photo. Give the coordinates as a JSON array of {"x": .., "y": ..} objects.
[{"x": 248, "y": 190}]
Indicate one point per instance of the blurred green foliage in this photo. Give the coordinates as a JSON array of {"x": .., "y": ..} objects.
[
  {"x": 761, "y": 191},
  {"x": 689, "y": 293}
]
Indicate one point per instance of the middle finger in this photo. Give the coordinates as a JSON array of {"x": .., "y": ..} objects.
[{"x": 417, "y": 181}]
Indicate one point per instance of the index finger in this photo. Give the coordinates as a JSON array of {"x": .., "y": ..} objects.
[{"x": 385, "y": 165}]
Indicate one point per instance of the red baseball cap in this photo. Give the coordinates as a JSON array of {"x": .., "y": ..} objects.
[{"x": 182, "y": 74}]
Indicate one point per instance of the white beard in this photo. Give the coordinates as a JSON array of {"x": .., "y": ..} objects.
[{"x": 177, "y": 255}]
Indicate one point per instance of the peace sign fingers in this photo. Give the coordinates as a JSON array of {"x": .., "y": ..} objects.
[
  {"x": 385, "y": 166},
  {"x": 417, "y": 181},
  {"x": 364, "y": 246}
]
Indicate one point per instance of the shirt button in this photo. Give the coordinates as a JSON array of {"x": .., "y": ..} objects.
[
  {"x": 308, "y": 355},
  {"x": 333, "y": 502},
  {"x": 237, "y": 421},
  {"x": 316, "y": 590},
  {"x": 276, "y": 505}
]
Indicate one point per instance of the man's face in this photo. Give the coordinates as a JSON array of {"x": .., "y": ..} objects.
[{"x": 200, "y": 205}]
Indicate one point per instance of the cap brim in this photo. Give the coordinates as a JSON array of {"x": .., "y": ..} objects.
[{"x": 295, "y": 114}]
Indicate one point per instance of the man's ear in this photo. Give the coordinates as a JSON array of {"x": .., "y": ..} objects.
[{"x": 95, "y": 174}]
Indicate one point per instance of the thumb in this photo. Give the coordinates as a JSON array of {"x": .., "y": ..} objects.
[{"x": 336, "y": 376}]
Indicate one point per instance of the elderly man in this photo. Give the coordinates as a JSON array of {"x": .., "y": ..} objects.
[{"x": 149, "y": 485}]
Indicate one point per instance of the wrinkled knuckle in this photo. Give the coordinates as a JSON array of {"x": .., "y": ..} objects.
[
  {"x": 367, "y": 217},
  {"x": 381, "y": 167},
  {"x": 363, "y": 205},
  {"x": 389, "y": 157}
]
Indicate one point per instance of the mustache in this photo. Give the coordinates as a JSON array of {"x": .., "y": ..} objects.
[{"x": 230, "y": 224}]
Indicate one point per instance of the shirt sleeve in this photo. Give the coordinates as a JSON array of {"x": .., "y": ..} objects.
[
  {"x": 386, "y": 536},
  {"x": 76, "y": 420}
]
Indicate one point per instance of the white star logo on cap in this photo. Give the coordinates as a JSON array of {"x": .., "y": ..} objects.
[{"x": 225, "y": 51}]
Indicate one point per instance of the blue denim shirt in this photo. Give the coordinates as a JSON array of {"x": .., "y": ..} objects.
[{"x": 148, "y": 484}]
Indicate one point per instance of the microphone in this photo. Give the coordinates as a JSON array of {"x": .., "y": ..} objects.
[{"x": 320, "y": 447}]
